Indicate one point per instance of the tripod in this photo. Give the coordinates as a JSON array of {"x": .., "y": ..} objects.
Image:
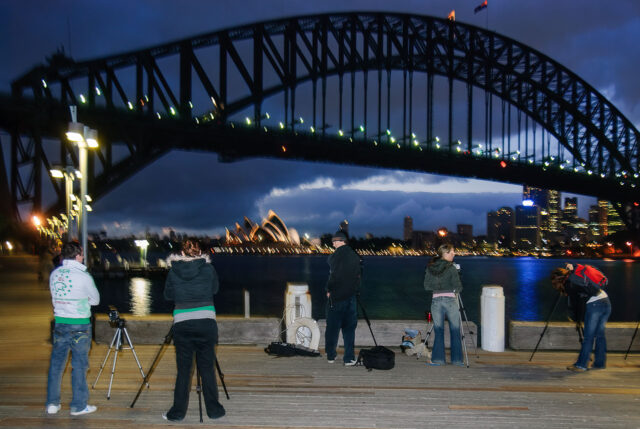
[
  {"x": 546, "y": 325},
  {"x": 116, "y": 346},
  {"x": 631, "y": 343},
  {"x": 463, "y": 314},
  {"x": 154, "y": 364}
]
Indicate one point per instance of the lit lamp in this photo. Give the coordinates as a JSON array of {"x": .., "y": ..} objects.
[
  {"x": 68, "y": 173},
  {"x": 37, "y": 223},
  {"x": 84, "y": 137},
  {"x": 142, "y": 244}
]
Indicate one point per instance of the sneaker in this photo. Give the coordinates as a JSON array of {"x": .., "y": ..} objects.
[
  {"x": 331, "y": 361},
  {"x": 351, "y": 363},
  {"x": 595, "y": 368},
  {"x": 164, "y": 416},
  {"x": 87, "y": 410},
  {"x": 435, "y": 363},
  {"x": 575, "y": 368},
  {"x": 53, "y": 409}
]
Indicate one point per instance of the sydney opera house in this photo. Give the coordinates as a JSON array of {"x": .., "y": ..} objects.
[{"x": 271, "y": 230}]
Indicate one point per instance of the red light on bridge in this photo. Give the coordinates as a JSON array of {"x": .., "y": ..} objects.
[
  {"x": 503, "y": 164},
  {"x": 636, "y": 203}
]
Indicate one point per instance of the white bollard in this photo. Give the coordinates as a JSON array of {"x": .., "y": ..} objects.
[
  {"x": 247, "y": 307},
  {"x": 492, "y": 315}
]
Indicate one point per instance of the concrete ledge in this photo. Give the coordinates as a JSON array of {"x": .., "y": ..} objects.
[
  {"x": 152, "y": 329},
  {"x": 563, "y": 336}
]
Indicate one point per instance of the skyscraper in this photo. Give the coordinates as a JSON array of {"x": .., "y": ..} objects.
[
  {"x": 465, "y": 231},
  {"x": 527, "y": 226},
  {"x": 554, "y": 211},
  {"x": 500, "y": 226},
  {"x": 569, "y": 213},
  {"x": 408, "y": 228},
  {"x": 611, "y": 217},
  {"x": 549, "y": 203}
]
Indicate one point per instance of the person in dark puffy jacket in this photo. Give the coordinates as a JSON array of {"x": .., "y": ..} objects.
[
  {"x": 342, "y": 313},
  {"x": 191, "y": 283},
  {"x": 442, "y": 278}
]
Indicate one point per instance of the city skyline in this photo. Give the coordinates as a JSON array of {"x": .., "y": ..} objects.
[{"x": 209, "y": 195}]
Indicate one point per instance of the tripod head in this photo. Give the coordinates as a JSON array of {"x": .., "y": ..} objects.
[{"x": 114, "y": 318}]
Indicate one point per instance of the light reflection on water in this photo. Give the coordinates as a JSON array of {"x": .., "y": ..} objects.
[
  {"x": 527, "y": 301},
  {"x": 140, "y": 296},
  {"x": 392, "y": 288}
]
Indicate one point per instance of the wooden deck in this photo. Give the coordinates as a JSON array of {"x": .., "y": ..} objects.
[{"x": 498, "y": 390}]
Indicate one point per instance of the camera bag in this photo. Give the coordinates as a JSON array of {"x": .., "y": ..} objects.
[{"x": 378, "y": 357}]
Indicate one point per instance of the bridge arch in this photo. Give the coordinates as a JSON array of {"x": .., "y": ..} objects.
[{"x": 596, "y": 147}]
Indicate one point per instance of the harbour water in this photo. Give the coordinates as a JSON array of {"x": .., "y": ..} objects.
[{"x": 391, "y": 288}]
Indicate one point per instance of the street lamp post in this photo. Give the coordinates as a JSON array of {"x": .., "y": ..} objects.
[
  {"x": 68, "y": 173},
  {"x": 84, "y": 137}
]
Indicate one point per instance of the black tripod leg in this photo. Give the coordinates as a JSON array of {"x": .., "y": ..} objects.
[
  {"x": 366, "y": 318},
  {"x": 631, "y": 343},
  {"x": 221, "y": 375},
  {"x": 546, "y": 325},
  {"x": 167, "y": 341}
]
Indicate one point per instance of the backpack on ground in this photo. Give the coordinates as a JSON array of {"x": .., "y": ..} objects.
[{"x": 378, "y": 357}]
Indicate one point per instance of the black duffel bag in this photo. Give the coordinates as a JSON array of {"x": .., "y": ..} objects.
[{"x": 378, "y": 357}]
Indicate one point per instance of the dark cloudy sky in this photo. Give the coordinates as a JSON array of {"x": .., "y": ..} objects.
[{"x": 596, "y": 39}]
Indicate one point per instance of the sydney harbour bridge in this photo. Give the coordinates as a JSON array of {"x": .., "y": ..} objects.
[{"x": 375, "y": 89}]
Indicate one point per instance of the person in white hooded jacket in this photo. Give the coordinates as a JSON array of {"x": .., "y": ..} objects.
[{"x": 73, "y": 292}]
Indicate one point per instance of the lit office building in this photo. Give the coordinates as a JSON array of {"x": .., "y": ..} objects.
[
  {"x": 569, "y": 213},
  {"x": 594, "y": 221},
  {"x": 611, "y": 217},
  {"x": 553, "y": 208},
  {"x": 603, "y": 207},
  {"x": 500, "y": 226},
  {"x": 527, "y": 226},
  {"x": 549, "y": 203}
]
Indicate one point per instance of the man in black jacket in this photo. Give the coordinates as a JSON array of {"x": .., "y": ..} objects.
[{"x": 342, "y": 287}]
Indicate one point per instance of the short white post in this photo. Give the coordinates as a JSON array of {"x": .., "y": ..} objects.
[
  {"x": 492, "y": 314},
  {"x": 247, "y": 312}
]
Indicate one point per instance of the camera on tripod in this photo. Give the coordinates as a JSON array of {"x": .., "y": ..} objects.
[{"x": 114, "y": 316}]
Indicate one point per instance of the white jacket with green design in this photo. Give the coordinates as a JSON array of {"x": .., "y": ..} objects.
[{"x": 73, "y": 292}]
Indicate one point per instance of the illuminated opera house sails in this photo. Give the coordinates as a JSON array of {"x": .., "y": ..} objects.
[{"x": 271, "y": 230}]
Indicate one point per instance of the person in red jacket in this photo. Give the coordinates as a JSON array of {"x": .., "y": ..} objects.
[{"x": 598, "y": 308}]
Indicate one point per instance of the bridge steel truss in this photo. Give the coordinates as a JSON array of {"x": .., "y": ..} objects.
[{"x": 144, "y": 103}]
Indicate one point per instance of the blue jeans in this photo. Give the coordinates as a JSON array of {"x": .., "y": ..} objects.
[
  {"x": 342, "y": 315},
  {"x": 440, "y": 307},
  {"x": 76, "y": 338},
  {"x": 595, "y": 318},
  {"x": 195, "y": 337}
]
